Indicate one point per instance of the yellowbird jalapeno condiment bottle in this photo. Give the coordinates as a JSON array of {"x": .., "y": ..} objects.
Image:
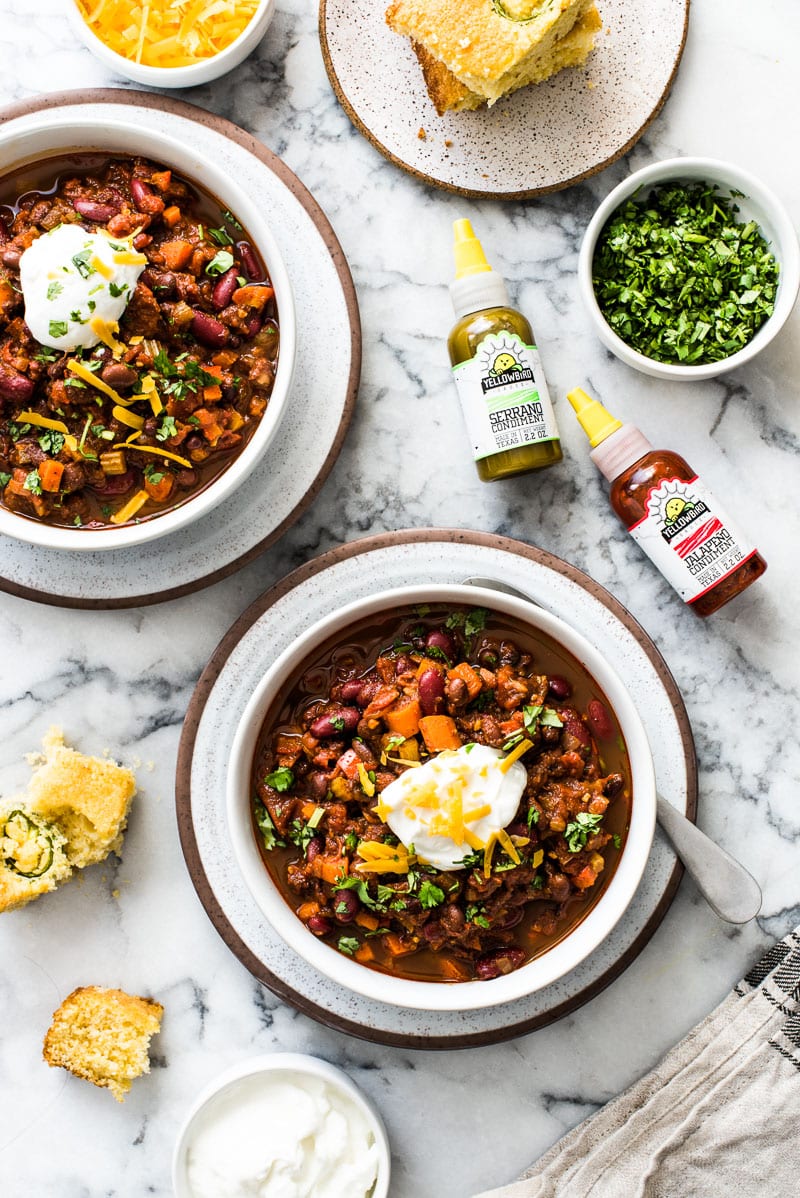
[
  {"x": 669, "y": 512},
  {"x": 498, "y": 374}
]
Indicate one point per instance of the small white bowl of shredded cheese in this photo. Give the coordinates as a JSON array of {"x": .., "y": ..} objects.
[
  {"x": 171, "y": 43},
  {"x": 280, "y": 1124}
]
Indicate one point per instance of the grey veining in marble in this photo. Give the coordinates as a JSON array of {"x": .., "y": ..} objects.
[{"x": 459, "y": 1122}]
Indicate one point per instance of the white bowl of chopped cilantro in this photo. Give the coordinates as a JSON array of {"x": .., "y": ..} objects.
[{"x": 689, "y": 268}]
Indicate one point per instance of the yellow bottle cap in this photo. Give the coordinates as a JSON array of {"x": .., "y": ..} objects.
[
  {"x": 470, "y": 258},
  {"x": 595, "y": 421}
]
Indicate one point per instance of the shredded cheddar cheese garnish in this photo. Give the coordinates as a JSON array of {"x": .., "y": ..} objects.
[
  {"x": 130, "y": 509},
  {"x": 105, "y": 330},
  {"x": 161, "y": 453},
  {"x": 57, "y": 426},
  {"x": 98, "y": 265},
  {"x": 129, "y": 418},
  {"x": 515, "y": 754},
  {"x": 168, "y": 33},
  {"x": 88, "y": 376}
]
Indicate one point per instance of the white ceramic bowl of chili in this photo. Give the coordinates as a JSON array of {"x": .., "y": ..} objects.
[
  {"x": 556, "y": 961},
  {"x": 756, "y": 202},
  {"x": 191, "y": 75},
  {"x": 55, "y": 133}
]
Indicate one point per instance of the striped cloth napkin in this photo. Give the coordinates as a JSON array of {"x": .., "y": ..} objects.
[{"x": 719, "y": 1116}]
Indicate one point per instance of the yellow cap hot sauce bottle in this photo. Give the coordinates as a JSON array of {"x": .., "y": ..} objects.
[{"x": 496, "y": 366}]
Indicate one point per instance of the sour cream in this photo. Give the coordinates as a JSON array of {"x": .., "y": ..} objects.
[
  {"x": 75, "y": 284},
  {"x": 282, "y": 1135},
  {"x": 453, "y": 804}
]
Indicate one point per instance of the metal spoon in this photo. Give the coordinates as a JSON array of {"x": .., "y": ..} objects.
[{"x": 730, "y": 891}]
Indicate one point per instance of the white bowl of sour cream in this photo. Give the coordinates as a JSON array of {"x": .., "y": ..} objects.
[
  {"x": 567, "y": 952},
  {"x": 279, "y": 1124}
]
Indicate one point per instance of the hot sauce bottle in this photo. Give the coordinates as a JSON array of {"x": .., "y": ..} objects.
[
  {"x": 669, "y": 512},
  {"x": 498, "y": 374}
]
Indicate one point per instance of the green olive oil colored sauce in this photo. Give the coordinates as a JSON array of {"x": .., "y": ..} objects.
[{"x": 501, "y": 385}]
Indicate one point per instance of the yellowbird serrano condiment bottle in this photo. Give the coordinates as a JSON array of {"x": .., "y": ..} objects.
[{"x": 497, "y": 370}]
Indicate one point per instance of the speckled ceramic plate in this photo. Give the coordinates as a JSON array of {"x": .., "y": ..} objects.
[
  {"x": 265, "y": 630},
  {"x": 321, "y": 402},
  {"x": 536, "y": 140}
]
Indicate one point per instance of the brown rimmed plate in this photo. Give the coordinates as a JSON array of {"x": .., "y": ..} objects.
[
  {"x": 264, "y": 631},
  {"x": 320, "y": 406},
  {"x": 537, "y": 140}
]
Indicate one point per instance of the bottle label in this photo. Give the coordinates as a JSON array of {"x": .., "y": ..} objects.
[
  {"x": 687, "y": 535},
  {"x": 504, "y": 396}
]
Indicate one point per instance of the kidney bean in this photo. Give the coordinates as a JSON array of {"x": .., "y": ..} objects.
[
  {"x": 250, "y": 262},
  {"x": 457, "y": 693},
  {"x": 116, "y": 484},
  {"x": 94, "y": 211},
  {"x": 314, "y": 848},
  {"x": 346, "y": 905},
  {"x": 11, "y": 257},
  {"x": 368, "y": 692},
  {"x": 117, "y": 374},
  {"x": 509, "y": 653},
  {"x": 599, "y": 720},
  {"x": 439, "y": 639},
  {"x": 186, "y": 479},
  {"x": 317, "y": 785},
  {"x": 558, "y": 687},
  {"x": 254, "y": 324},
  {"x": 15, "y": 386},
  {"x": 575, "y": 726},
  {"x": 431, "y": 692},
  {"x": 224, "y": 288},
  {"x": 209, "y": 330},
  {"x": 320, "y": 925},
  {"x": 142, "y": 193},
  {"x": 351, "y": 689},
  {"x": 613, "y": 786},
  {"x": 453, "y": 919},
  {"x": 501, "y": 961},
  {"x": 346, "y": 717}
]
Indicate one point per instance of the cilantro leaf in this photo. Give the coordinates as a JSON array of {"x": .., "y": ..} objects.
[
  {"x": 58, "y": 328},
  {"x": 267, "y": 828},
  {"x": 281, "y": 779},
  {"x": 578, "y": 832},
  {"x": 220, "y": 263},
  {"x": 347, "y": 945},
  {"x": 430, "y": 895}
]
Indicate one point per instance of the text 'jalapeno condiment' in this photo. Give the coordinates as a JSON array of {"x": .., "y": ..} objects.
[
  {"x": 497, "y": 370},
  {"x": 669, "y": 512}
]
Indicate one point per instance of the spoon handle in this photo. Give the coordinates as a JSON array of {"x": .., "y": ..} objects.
[{"x": 724, "y": 883}]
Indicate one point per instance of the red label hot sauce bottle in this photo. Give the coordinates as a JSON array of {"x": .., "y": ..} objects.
[{"x": 669, "y": 512}]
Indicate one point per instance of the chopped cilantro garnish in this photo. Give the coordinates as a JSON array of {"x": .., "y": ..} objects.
[
  {"x": 281, "y": 779},
  {"x": 231, "y": 219},
  {"x": 116, "y": 289},
  {"x": 220, "y": 236},
  {"x": 536, "y": 715},
  {"x": 33, "y": 483},
  {"x": 168, "y": 428},
  {"x": 430, "y": 895},
  {"x": 81, "y": 262},
  {"x": 222, "y": 261},
  {"x": 617, "y": 839},
  {"x": 267, "y": 828},
  {"x": 350, "y": 841},
  {"x": 54, "y": 290},
  {"x": 51, "y": 441},
  {"x": 580, "y": 829},
  {"x": 45, "y": 355},
  {"x": 532, "y": 817},
  {"x": 475, "y": 914},
  {"x": 338, "y": 723},
  {"x": 680, "y": 279},
  {"x": 15, "y": 431},
  {"x": 152, "y": 473},
  {"x": 58, "y": 328},
  {"x": 476, "y": 621},
  {"x": 347, "y": 882},
  {"x": 347, "y": 945},
  {"x": 5, "y": 479}
]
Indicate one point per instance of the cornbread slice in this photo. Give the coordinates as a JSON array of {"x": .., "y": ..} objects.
[
  {"x": 88, "y": 798},
  {"x": 449, "y": 94},
  {"x": 491, "y": 46},
  {"x": 32, "y": 856},
  {"x": 103, "y": 1036}
]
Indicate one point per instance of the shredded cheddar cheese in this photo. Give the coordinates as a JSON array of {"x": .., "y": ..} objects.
[
  {"x": 515, "y": 754},
  {"x": 106, "y": 331},
  {"x": 89, "y": 376},
  {"x": 125, "y": 417},
  {"x": 130, "y": 509},
  {"x": 57, "y": 426},
  {"x": 161, "y": 453},
  {"x": 100, "y": 267},
  {"x": 168, "y": 33}
]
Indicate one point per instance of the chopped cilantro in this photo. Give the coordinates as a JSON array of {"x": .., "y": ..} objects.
[
  {"x": 469, "y": 747},
  {"x": 437, "y": 654},
  {"x": 58, "y": 328},
  {"x": 15, "y": 431},
  {"x": 350, "y": 841},
  {"x": 338, "y": 723},
  {"x": 347, "y": 882},
  {"x": 536, "y": 715},
  {"x": 347, "y": 945},
  {"x": 281, "y": 779},
  {"x": 475, "y": 913},
  {"x": 476, "y": 621},
  {"x": 231, "y": 219},
  {"x": 533, "y": 817},
  {"x": 5, "y": 479},
  {"x": 430, "y": 895},
  {"x": 220, "y": 236},
  {"x": 220, "y": 263},
  {"x": 472, "y": 860},
  {"x": 455, "y": 620},
  {"x": 578, "y": 831},
  {"x": 54, "y": 290},
  {"x": 51, "y": 441},
  {"x": 45, "y": 355},
  {"x": 617, "y": 839},
  {"x": 168, "y": 428},
  {"x": 116, "y": 289},
  {"x": 81, "y": 262},
  {"x": 33, "y": 483},
  {"x": 77, "y": 521},
  {"x": 537, "y": 883}
]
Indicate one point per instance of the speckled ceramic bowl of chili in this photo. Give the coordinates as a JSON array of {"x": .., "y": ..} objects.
[
  {"x": 755, "y": 202},
  {"x": 190, "y": 75},
  {"x": 58, "y": 133},
  {"x": 565, "y": 953}
]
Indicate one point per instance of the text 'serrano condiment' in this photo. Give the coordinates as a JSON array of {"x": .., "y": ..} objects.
[
  {"x": 669, "y": 512},
  {"x": 277, "y": 1134}
]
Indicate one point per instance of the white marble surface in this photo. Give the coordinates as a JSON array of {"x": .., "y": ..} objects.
[{"x": 458, "y": 1121}]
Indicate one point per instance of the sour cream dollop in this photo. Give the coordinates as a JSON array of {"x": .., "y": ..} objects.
[
  {"x": 453, "y": 803},
  {"x": 282, "y": 1135},
  {"x": 74, "y": 283}
]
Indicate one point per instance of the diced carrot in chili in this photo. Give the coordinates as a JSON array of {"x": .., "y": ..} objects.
[
  {"x": 176, "y": 253},
  {"x": 212, "y": 431},
  {"x": 212, "y": 392},
  {"x": 439, "y": 732},
  {"x": 397, "y": 946},
  {"x": 288, "y": 748},
  {"x": 254, "y": 295},
  {"x": 159, "y": 486},
  {"x": 364, "y": 953},
  {"x": 306, "y": 910},
  {"x": 307, "y": 810},
  {"x": 404, "y": 720},
  {"x": 215, "y": 369},
  {"x": 465, "y": 672},
  {"x": 428, "y": 663},
  {"x": 50, "y": 475},
  {"x": 171, "y": 215},
  {"x": 258, "y": 406},
  {"x": 161, "y": 179},
  {"x": 226, "y": 357},
  {"x": 329, "y": 870},
  {"x": 454, "y": 970},
  {"x": 586, "y": 878},
  {"x": 365, "y": 920}
]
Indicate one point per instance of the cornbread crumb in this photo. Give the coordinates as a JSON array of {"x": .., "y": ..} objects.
[{"x": 103, "y": 1036}]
